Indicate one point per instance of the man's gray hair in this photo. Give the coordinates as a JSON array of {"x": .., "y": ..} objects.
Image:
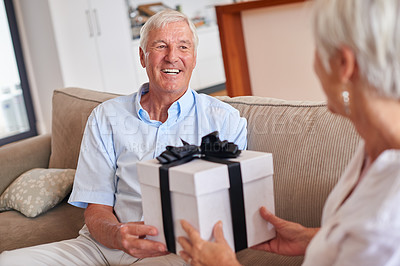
[
  {"x": 371, "y": 28},
  {"x": 161, "y": 19}
]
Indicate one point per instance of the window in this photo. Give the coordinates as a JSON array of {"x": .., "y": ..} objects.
[{"x": 17, "y": 120}]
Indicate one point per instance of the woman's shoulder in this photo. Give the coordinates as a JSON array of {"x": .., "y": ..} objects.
[{"x": 383, "y": 190}]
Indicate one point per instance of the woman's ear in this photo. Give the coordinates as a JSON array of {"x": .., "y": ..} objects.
[{"x": 348, "y": 64}]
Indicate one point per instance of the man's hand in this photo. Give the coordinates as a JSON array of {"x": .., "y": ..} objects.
[
  {"x": 131, "y": 240},
  {"x": 291, "y": 238},
  {"x": 129, "y": 237},
  {"x": 197, "y": 251}
]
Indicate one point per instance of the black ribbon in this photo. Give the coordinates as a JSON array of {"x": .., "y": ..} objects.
[{"x": 211, "y": 149}]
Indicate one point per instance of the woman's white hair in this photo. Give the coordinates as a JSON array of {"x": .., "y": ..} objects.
[
  {"x": 161, "y": 19},
  {"x": 371, "y": 28}
]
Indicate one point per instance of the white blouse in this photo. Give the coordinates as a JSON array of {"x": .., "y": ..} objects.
[{"x": 365, "y": 230}]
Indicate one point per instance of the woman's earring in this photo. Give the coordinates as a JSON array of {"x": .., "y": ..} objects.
[{"x": 346, "y": 101}]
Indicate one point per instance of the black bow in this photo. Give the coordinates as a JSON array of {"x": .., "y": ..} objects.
[{"x": 211, "y": 146}]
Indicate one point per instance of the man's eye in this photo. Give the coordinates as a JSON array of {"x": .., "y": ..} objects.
[
  {"x": 184, "y": 47},
  {"x": 161, "y": 46}
]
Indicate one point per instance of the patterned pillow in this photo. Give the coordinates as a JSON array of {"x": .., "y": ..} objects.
[{"x": 37, "y": 190}]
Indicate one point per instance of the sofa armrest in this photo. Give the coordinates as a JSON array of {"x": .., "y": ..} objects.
[{"x": 19, "y": 157}]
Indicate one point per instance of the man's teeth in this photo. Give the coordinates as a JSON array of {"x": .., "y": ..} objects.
[{"x": 171, "y": 71}]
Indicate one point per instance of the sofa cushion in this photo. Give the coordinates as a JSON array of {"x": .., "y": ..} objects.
[
  {"x": 60, "y": 223},
  {"x": 71, "y": 109},
  {"x": 37, "y": 190}
]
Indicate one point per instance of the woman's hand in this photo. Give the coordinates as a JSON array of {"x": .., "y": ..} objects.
[
  {"x": 291, "y": 238},
  {"x": 197, "y": 251}
]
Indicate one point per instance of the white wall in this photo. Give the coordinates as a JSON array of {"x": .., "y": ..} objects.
[
  {"x": 280, "y": 52},
  {"x": 40, "y": 55}
]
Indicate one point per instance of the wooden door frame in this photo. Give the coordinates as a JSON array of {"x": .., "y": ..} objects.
[{"x": 233, "y": 47}]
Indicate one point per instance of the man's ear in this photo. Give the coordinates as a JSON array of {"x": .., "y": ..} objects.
[
  {"x": 142, "y": 57},
  {"x": 348, "y": 64},
  {"x": 195, "y": 61}
]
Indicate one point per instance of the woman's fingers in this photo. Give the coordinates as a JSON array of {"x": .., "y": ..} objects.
[
  {"x": 185, "y": 256},
  {"x": 190, "y": 231},
  {"x": 219, "y": 233},
  {"x": 269, "y": 217},
  {"x": 186, "y": 245}
]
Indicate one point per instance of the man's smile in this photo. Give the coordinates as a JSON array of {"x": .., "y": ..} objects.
[{"x": 171, "y": 71}]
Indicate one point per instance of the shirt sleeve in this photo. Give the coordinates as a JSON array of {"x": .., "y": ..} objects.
[
  {"x": 95, "y": 175},
  {"x": 235, "y": 129},
  {"x": 214, "y": 114},
  {"x": 369, "y": 247}
]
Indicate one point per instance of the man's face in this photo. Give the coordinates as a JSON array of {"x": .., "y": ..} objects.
[{"x": 170, "y": 58}]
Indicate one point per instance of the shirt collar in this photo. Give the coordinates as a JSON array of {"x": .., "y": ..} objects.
[
  {"x": 184, "y": 104},
  {"x": 176, "y": 111}
]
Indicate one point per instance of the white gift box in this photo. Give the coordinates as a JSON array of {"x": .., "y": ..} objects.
[{"x": 199, "y": 193}]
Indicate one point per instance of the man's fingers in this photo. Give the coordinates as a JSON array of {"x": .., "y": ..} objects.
[
  {"x": 138, "y": 229},
  {"x": 145, "y": 253},
  {"x": 131, "y": 242}
]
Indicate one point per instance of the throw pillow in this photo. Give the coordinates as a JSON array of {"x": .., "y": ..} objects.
[{"x": 37, "y": 190}]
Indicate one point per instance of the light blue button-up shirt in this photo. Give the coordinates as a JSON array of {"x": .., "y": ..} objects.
[{"x": 119, "y": 133}]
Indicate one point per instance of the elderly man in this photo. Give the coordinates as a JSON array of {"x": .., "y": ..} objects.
[{"x": 128, "y": 129}]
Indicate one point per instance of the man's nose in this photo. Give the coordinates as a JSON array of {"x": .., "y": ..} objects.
[{"x": 172, "y": 55}]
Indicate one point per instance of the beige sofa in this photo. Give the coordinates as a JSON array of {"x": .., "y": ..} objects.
[{"x": 310, "y": 147}]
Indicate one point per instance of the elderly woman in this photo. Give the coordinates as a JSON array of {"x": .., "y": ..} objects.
[{"x": 357, "y": 61}]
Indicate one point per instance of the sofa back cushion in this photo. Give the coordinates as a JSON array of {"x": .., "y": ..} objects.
[
  {"x": 19, "y": 157},
  {"x": 311, "y": 147},
  {"x": 71, "y": 109}
]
